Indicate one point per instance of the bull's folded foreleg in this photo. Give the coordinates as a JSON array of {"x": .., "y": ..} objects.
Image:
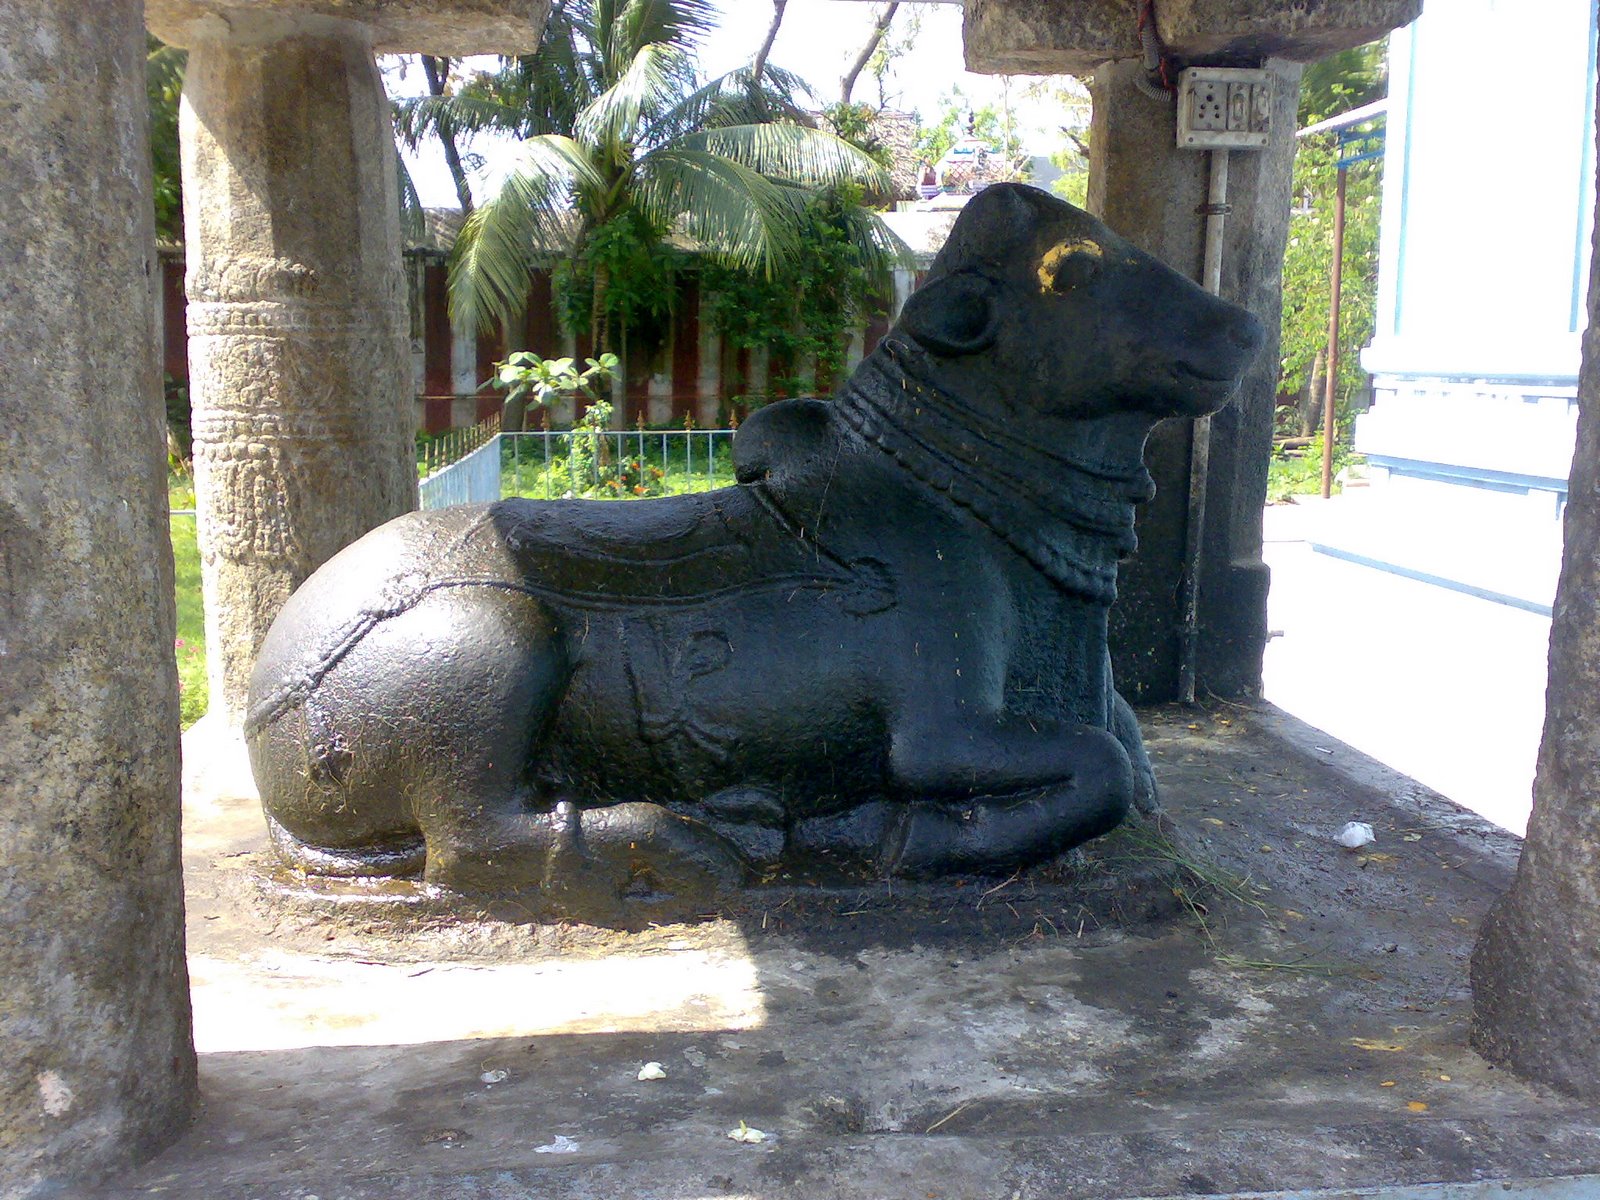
[
  {"x": 586, "y": 862},
  {"x": 1002, "y": 793}
]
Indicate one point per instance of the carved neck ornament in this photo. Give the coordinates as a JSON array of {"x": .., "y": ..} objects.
[{"x": 1065, "y": 509}]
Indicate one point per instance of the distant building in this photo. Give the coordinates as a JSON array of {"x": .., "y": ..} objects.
[
  {"x": 1488, "y": 205},
  {"x": 972, "y": 164},
  {"x": 896, "y": 133}
]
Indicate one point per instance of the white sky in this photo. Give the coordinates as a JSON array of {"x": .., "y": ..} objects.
[{"x": 817, "y": 41}]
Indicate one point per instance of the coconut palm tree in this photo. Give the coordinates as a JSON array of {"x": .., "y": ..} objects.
[{"x": 618, "y": 133}]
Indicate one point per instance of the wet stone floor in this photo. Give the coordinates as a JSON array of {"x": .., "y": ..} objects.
[{"x": 1234, "y": 1002}]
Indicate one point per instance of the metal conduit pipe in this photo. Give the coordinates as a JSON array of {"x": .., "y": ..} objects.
[{"x": 1216, "y": 210}]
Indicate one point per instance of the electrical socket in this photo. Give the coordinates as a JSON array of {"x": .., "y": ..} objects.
[
  {"x": 1206, "y": 105},
  {"x": 1223, "y": 108}
]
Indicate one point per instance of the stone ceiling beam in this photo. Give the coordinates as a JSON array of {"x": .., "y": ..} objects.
[
  {"x": 446, "y": 27},
  {"x": 1075, "y": 36}
]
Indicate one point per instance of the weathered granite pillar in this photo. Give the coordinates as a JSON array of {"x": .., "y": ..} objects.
[
  {"x": 1148, "y": 190},
  {"x": 300, "y": 374},
  {"x": 299, "y": 356},
  {"x": 1536, "y": 969},
  {"x": 96, "y": 1061}
]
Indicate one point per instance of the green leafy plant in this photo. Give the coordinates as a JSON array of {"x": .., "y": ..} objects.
[
  {"x": 1336, "y": 84},
  {"x": 1293, "y": 473},
  {"x": 635, "y": 477},
  {"x": 835, "y": 281},
  {"x": 163, "y": 81},
  {"x": 528, "y": 378},
  {"x": 1307, "y": 269},
  {"x": 588, "y": 450}
]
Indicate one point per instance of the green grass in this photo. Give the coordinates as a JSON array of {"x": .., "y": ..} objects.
[
  {"x": 190, "y": 647},
  {"x": 1299, "y": 472},
  {"x": 643, "y": 469}
]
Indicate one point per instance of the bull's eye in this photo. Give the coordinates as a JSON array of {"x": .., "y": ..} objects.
[{"x": 1069, "y": 265}]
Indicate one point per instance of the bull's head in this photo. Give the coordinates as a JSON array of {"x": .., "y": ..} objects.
[{"x": 1035, "y": 305}]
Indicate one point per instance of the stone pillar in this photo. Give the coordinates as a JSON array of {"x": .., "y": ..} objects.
[
  {"x": 299, "y": 357},
  {"x": 1148, "y": 190},
  {"x": 97, "y": 1064},
  {"x": 1536, "y": 969}
]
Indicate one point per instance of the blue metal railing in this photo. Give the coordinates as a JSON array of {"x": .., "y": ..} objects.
[
  {"x": 601, "y": 464},
  {"x": 474, "y": 479}
]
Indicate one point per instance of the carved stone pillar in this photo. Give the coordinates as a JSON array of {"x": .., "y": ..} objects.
[
  {"x": 96, "y": 1061},
  {"x": 298, "y": 346},
  {"x": 1150, "y": 191},
  {"x": 300, "y": 374}
]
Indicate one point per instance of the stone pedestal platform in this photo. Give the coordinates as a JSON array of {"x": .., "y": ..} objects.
[{"x": 1140, "y": 1022}]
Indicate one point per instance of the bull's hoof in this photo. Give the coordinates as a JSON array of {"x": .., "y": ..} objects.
[
  {"x": 657, "y": 853},
  {"x": 593, "y": 864},
  {"x": 1001, "y": 833},
  {"x": 1146, "y": 795}
]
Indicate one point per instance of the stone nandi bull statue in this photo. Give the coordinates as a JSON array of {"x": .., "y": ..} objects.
[{"x": 886, "y": 643}]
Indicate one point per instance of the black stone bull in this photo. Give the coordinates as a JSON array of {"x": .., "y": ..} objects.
[{"x": 887, "y": 641}]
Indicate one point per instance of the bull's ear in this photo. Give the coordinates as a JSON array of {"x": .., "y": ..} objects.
[{"x": 953, "y": 314}]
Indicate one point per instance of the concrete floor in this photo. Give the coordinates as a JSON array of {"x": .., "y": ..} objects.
[
  {"x": 1442, "y": 686},
  {"x": 1245, "y": 1008}
]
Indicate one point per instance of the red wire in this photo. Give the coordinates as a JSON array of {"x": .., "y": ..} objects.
[{"x": 1147, "y": 16}]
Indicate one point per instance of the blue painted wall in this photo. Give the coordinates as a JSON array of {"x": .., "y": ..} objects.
[{"x": 1488, "y": 191}]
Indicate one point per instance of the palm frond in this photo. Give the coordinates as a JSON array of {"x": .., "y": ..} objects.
[
  {"x": 808, "y": 156},
  {"x": 737, "y": 215},
  {"x": 462, "y": 114},
  {"x": 413, "y": 221},
  {"x": 567, "y": 165},
  {"x": 873, "y": 246},
  {"x": 737, "y": 98},
  {"x": 630, "y": 25},
  {"x": 528, "y": 221},
  {"x": 550, "y": 87},
  {"x": 616, "y": 118}
]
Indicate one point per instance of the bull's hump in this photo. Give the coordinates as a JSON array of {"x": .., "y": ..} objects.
[{"x": 676, "y": 552}]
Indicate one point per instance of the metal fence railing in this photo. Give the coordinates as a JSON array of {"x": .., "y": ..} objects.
[
  {"x": 552, "y": 464},
  {"x": 615, "y": 464},
  {"x": 474, "y": 479}
]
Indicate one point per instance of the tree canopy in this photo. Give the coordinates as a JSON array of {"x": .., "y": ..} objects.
[
  {"x": 622, "y": 146},
  {"x": 1336, "y": 84},
  {"x": 163, "y": 84}
]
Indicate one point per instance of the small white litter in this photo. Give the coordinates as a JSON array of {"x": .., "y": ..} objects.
[
  {"x": 652, "y": 1070},
  {"x": 562, "y": 1145},
  {"x": 495, "y": 1076},
  {"x": 746, "y": 1134},
  {"x": 1355, "y": 835}
]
